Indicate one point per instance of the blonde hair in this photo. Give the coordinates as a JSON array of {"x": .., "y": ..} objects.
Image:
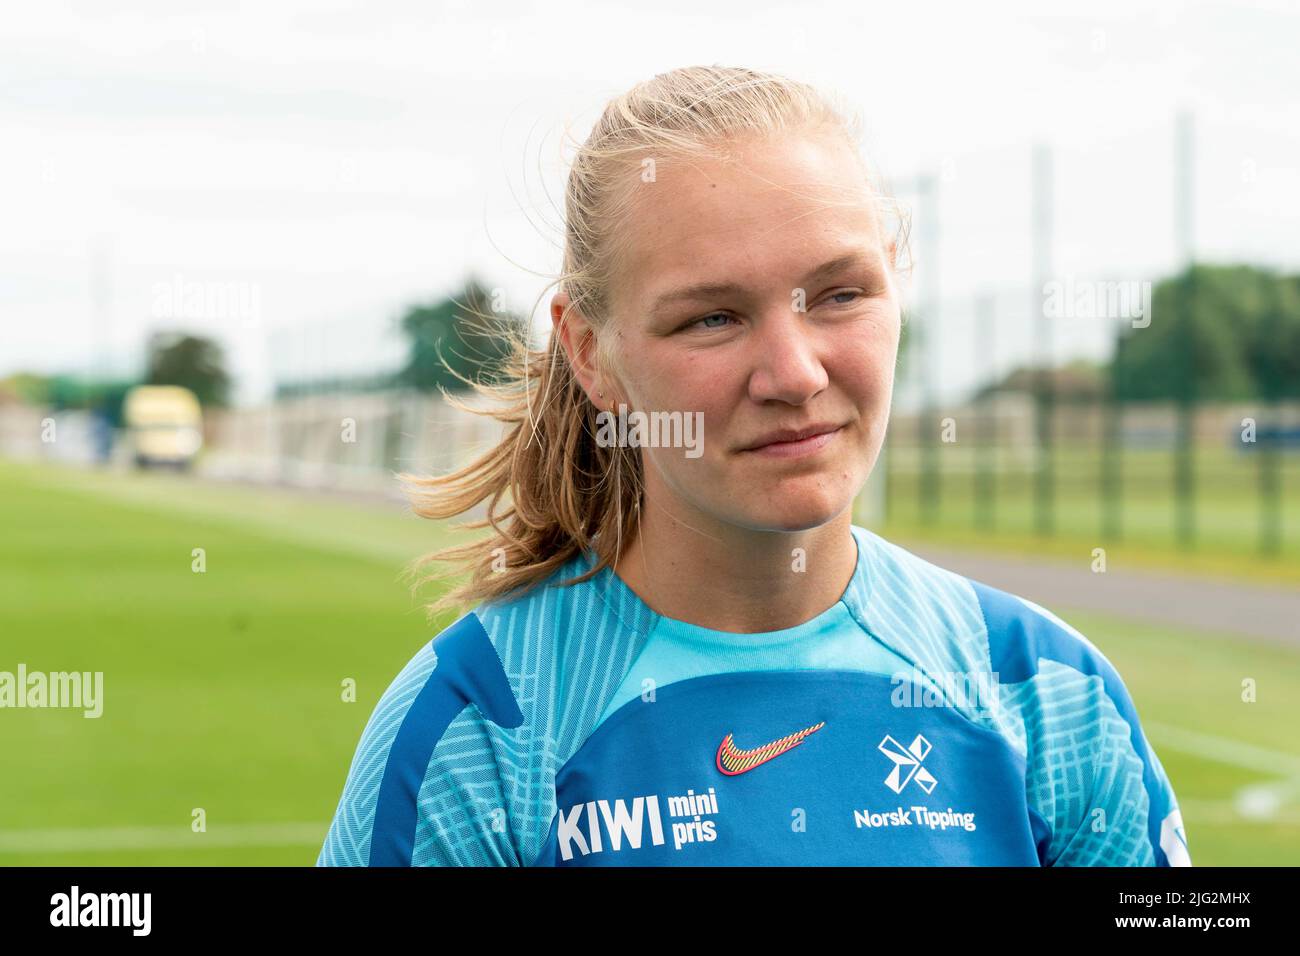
[{"x": 567, "y": 492}]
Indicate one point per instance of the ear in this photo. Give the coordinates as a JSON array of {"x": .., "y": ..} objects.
[{"x": 579, "y": 342}]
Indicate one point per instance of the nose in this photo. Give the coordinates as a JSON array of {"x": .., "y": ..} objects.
[{"x": 785, "y": 359}]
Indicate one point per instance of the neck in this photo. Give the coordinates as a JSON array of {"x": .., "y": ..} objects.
[{"x": 735, "y": 579}]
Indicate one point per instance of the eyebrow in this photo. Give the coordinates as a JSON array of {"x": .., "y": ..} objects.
[{"x": 704, "y": 290}]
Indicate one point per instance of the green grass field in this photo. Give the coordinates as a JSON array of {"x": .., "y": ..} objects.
[{"x": 223, "y": 689}]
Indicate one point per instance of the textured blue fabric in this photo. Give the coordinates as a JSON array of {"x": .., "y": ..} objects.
[
  {"x": 470, "y": 674},
  {"x": 595, "y": 679}
]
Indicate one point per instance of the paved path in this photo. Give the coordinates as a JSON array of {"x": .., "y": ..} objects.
[{"x": 1269, "y": 613}]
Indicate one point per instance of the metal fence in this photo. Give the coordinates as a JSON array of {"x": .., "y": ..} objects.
[{"x": 1224, "y": 476}]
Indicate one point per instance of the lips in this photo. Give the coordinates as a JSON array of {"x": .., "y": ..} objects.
[{"x": 793, "y": 434}]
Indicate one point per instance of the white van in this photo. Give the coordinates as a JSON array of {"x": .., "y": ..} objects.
[{"x": 164, "y": 425}]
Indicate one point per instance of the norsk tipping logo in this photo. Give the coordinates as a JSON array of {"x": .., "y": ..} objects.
[
  {"x": 907, "y": 760},
  {"x": 908, "y": 769}
]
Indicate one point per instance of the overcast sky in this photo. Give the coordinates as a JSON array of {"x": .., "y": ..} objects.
[{"x": 322, "y": 164}]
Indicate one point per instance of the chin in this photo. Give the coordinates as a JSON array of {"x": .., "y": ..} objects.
[{"x": 797, "y": 514}]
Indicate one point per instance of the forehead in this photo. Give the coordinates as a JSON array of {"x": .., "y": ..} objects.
[{"x": 771, "y": 209}]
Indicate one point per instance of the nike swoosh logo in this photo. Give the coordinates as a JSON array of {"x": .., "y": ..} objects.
[{"x": 732, "y": 760}]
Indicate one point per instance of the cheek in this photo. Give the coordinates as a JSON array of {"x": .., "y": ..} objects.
[
  {"x": 700, "y": 385},
  {"x": 863, "y": 365},
  {"x": 696, "y": 382}
]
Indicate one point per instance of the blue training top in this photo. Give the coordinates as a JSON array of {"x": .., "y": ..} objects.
[{"x": 923, "y": 719}]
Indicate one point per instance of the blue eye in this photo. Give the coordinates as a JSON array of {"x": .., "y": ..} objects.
[
  {"x": 704, "y": 320},
  {"x": 714, "y": 315}
]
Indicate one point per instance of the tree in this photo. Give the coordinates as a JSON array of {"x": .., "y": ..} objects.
[
  {"x": 1218, "y": 333},
  {"x": 192, "y": 361},
  {"x": 462, "y": 335},
  {"x": 103, "y": 395}
]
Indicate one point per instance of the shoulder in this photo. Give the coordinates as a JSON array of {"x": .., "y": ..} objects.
[
  {"x": 512, "y": 658},
  {"x": 425, "y": 756},
  {"x": 1090, "y": 773},
  {"x": 928, "y": 615},
  {"x": 901, "y": 590},
  {"x": 1012, "y": 633},
  {"x": 1042, "y": 679},
  {"x": 562, "y": 642},
  {"x": 456, "y": 763}
]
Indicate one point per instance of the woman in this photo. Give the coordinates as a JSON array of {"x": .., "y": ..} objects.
[{"x": 685, "y": 652}]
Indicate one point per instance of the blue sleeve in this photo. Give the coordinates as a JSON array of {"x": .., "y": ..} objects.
[
  {"x": 1091, "y": 774},
  {"x": 424, "y": 788},
  {"x": 1131, "y": 815}
]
